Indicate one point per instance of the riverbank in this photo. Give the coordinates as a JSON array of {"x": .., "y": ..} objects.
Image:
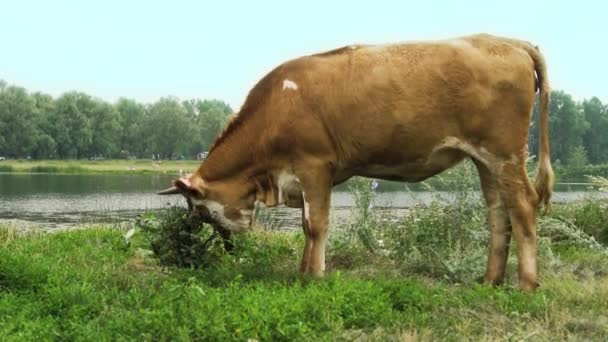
[
  {"x": 569, "y": 179},
  {"x": 99, "y": 166},
  {"x": 417, "y": 281}
]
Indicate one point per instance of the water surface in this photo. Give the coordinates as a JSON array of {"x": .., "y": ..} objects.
[{"x": 60, "y": 200}]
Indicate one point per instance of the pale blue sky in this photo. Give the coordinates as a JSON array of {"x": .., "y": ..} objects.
[{"x": 219, "y": 49}]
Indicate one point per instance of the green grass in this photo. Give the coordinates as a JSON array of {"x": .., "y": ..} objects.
[
  {"x": 416, "y": 277},
  {"x": 102, "y": 166},
  {"x": 91, "y": 284}
]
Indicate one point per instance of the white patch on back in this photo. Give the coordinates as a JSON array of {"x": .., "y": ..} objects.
[
  {"x": 289, "y": 84},
  {"x": 459, "y": 43}
]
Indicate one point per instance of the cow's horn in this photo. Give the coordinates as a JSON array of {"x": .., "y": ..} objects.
[{"x": 169, "y": 191}]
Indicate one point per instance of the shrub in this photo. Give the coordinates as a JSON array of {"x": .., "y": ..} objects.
[
  {"x": 589, "y": 217},
  {"x": 177, "y": 239}
]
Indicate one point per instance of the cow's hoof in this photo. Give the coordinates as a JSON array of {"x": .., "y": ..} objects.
[
  {"x": 492, "y": 282},
  {"x": 318, "y": 274},
  {"x": 528, "y": 285},
  {"x": 312, "y": 275}
]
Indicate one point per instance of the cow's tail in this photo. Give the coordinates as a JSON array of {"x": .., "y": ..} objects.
[{"x": 544, "y": 176}]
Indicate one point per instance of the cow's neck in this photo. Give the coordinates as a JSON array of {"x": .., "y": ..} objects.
[{"x": 233, "y": 156}]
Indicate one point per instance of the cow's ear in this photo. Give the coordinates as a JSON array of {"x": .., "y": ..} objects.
[{"x": 185, "y": 186}]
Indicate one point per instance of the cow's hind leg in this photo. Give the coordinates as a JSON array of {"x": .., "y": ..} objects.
[
  {"x": 500, "y": 226},
  {"x": 521, "y": 200}
]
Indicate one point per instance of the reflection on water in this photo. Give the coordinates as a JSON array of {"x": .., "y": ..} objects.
[{"x": 53, "y": 200}]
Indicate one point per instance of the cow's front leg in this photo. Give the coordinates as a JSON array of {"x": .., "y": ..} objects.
[
  {"x": 316, "y": 197},
  {"x": 307, "y": 244}
]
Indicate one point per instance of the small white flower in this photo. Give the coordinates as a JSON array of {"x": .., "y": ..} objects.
[
  {"x": 381, "y": 243},
  {"x": 374, "y": 184}
]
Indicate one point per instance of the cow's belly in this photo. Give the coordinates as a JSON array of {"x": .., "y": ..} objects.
[
  {"x": 435, "y": 163},
  {"x": 407, "y": 173}
]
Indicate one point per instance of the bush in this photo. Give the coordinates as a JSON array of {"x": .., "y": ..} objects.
[
  {"x": 590, "y": 217},
  {"x": 439, "y": 241},
  {"x": 178, "y": 240}
]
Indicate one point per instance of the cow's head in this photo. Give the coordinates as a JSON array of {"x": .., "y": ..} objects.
[{"x": 228, "y": 206}]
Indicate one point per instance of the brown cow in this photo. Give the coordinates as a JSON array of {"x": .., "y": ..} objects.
[{"x": 398, "y": 112}]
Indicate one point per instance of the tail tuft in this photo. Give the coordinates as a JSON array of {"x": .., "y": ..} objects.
[{"x": 544, "y": 177}]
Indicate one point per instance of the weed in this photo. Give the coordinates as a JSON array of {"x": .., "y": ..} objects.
[{"x": 364, "y": 216}]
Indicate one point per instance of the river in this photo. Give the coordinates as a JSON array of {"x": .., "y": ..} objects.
[{"x": 62, "y": 200}]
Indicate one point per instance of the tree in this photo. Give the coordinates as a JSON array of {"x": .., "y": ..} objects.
[
  {"x": 105, "y": 124},
  {"x": 211, "y": 119},
  {"x": 46, "y": 147},
  {"x": 167, "y": 128},
  {"x": 566, "y": 126},
  {"x": 596, "y": 138},
  {"x": 132, "y": 115},
  {"x": 71, "y": 127},
  {"x": 17, "y": 122},
  {"x": 3, "y": 143},
  {"x": 577, "y": 157}
]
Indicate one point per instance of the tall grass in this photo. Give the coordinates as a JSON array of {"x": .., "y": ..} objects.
[
  {"x": 6, "y": 168},
  {"x": 449, "y": 241}
]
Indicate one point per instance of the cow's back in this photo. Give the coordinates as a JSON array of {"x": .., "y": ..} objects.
[{"x": 392, "y": 105}]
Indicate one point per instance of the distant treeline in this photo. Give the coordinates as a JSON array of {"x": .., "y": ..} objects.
[
  {"x": 76, "y": 125},
  {"x": 578, "y": 131}
]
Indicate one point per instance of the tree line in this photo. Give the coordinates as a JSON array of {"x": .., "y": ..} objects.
[
  {"x": 76, "y": 125},
  {"x": 578, "y": 130}
]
